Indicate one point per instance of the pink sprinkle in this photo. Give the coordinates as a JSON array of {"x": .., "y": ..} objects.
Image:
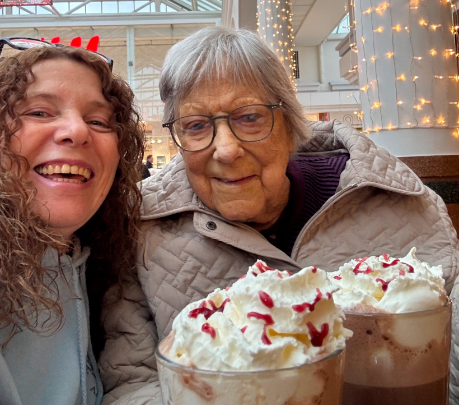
[
  {"x": 227, "y": 288},
  {"x": 244, "y": 276},
  {"x": 266, "y": 299},
  {"x": 385, "y": 256},
  {"x": 337, "y": 277},
  {"x": 279, "y": 275},
  {"x": 401, "y": 273},
  {"x": 243, "y": 329}
]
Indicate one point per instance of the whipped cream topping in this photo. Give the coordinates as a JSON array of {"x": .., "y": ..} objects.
[
  {"x": 387, "y": 284},
  {"x": 268, "y": 319}
]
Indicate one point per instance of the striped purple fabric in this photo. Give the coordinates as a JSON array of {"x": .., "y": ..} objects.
[{"x": 313, "y": 180}]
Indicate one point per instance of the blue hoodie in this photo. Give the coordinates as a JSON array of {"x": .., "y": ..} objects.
[{"x": 59, "y": 368}]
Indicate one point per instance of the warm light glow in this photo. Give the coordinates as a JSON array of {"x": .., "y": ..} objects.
[
  {"x": 417, "y": 107},
  {"x": 373, "y": 58},
  {"x": 376, "y": 129},
  {"x": 364, "y": 88},
  {"x": 415, "y": 77},
  {"x": 433, "y": 52},
  {"x": 426, "y": 120},
  {"x": 422, "y": 22},
  {"x": 390, "y": 54},
  {"x": 401, "y": 77},
  {"x": 398, "y": 28},
  {"x": 390, "y": 127},
  {"x": 368, "y": 11},
  {"x": 379, "y": 29},
  {"x": 399, "y": 102},
  {"x": 376, "y": 105},
  {"x": 441, "y": 120},
  {"x": 417, "y": 57}
]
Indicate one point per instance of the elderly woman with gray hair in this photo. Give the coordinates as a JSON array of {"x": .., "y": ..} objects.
[{"x": 254, "y": 180}]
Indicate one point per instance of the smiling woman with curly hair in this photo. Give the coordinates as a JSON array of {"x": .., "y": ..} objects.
[{"x": 71, "y": 145}]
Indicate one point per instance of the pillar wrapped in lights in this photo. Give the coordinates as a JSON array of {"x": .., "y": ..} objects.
[
  {"x": 275, "y": 27},
  {"x": 408, "y": 75}
]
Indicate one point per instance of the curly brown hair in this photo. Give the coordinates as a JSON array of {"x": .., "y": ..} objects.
[{"x": 111, "y": 233}]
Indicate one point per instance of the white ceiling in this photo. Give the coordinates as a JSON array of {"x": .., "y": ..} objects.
[{"x": 314, "y": 20}]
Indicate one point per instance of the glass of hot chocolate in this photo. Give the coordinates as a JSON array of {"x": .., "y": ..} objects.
[
  {"x": 400, "y": 314},
  {"x": 272, "y": 338}
]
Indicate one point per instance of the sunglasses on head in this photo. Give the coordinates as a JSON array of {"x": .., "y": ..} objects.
[{"x": 22, "y": 44}]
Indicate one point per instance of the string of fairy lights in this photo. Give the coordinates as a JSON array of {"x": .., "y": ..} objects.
[
  {"x": 407, "y": 64},
  {"x": 274, "y": 21}
]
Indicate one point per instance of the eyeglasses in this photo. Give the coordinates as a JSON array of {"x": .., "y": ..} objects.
[
  {"x": 22, "y": 44},
  {"x": 249, "y": 123}
]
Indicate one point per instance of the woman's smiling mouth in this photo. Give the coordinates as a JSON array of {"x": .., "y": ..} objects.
[
  {"x": 236, "y": 182},
  {"x": 64, "y": 173}
]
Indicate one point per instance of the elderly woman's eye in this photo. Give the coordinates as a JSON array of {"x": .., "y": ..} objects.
[
  {"x": 195, "y": 126},
  {"x": 248, "y": 118}
]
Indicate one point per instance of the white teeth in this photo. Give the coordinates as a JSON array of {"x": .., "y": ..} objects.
[{"x": 65, "y": 169}]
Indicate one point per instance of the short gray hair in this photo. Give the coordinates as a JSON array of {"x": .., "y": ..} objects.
[{"x": 237, "y": 56}]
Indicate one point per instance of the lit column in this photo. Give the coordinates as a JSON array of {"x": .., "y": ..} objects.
[
  {"x": 275, "y": 27},
  {"x": 408, "y": 75}
]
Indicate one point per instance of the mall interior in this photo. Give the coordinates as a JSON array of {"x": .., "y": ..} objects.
[{"x": 363, "y": 62}]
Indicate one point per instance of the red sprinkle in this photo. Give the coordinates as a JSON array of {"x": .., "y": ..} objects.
[
  {"x": 206, "y": 328},
  {"x": 384, "y": 283},
  {"x": 279, "y": 275},
  {"x": 314, "y": 269},
  {"x": 401, "y": 272},
  {"x": 356, "y": 268},
  {"x": 288, "y": 272},
  {"x": 385, "y": 256},
  {"x": 317, "y": 338},
  {"x": 266, "y": 299},
  {"x": 306, "y": 305},
  {"x": 394, "y": 262},
  {"x": 262, "y": 267},
  {"x": 329, "y": 295},
  {"x": 267, "y": 319},
  {"x": 244, "y": 276},
  {"x": 410, "y": 268},
  {"x": 227, "y": 288},
  {"x": 243, "y": 329},
  {"x": 207, "y": 312},
  {"x": 337, "y": 277}
]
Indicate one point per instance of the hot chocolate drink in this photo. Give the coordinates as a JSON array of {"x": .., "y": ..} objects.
[
  {"x": 400, "y": 314},
  {"x": 272, "y": 338}
]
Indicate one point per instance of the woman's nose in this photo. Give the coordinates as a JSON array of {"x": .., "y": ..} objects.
[
  {"x": 73, "y": 131},
  {"x": 227, "y": 146}
]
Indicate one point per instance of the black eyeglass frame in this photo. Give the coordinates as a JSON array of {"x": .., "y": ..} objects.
[
  {"x": 271, "y": 107},
  {"x": 8, "y": 42}
]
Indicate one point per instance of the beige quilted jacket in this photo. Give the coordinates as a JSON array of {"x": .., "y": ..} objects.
[{"x": 188, "y": 250}]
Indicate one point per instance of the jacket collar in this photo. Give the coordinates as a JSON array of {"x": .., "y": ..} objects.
[{"x": 169, "y": 192}]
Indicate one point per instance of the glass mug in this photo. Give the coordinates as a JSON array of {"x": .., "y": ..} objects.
[
  {"x": 308, "y": 384},
  {"x": 398, "y": 358}
]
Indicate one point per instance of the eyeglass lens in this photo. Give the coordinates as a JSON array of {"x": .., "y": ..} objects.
[{"x": 249, "y": 123}]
